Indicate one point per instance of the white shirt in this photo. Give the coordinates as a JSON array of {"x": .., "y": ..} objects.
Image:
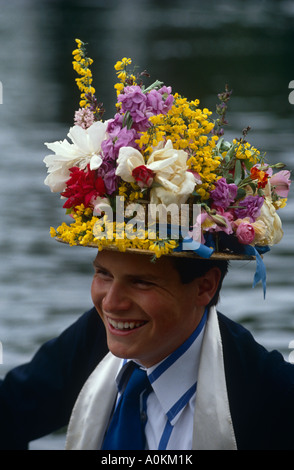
[{"x": 170, "y": 406}]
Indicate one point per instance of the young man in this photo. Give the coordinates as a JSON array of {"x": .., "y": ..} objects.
[
  {"x": 212, "y": 385},
  {"x": 37, "y": 398},
  {"x": 208, "y": 384}
]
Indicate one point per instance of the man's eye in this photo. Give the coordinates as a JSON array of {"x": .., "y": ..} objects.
[
  {"x": 102, "y": 273},
  {"x": 143, "y": 283}
]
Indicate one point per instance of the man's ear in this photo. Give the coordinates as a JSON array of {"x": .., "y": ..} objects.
[{"x": 207, "y": 286}]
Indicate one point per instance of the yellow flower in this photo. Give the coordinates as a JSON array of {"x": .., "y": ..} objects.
[
  {"x": 79, "y": 42},
  {"x": 121, "y": 64},
  {"x": 81, "y": 65},
  {"x": 280, "y": 203},
  {"x": 121, "y": 67},
  {"x": 246, "y": 151},
  {"x": 119, "y": 87},
  {"x": 53, "y": 232},
  {"x": 122, "y": 76}
]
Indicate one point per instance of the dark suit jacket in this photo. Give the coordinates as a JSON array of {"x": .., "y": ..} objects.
[{"x": 37, "y": 398}]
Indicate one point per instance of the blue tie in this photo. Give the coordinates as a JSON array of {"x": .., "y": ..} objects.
[{"x": 126, "y": 429}]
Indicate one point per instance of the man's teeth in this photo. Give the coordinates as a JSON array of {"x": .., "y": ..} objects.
[{"x": 125, "y": 325}]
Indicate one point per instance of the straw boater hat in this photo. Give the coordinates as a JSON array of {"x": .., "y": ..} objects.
[{"x": 159, "y": 177}]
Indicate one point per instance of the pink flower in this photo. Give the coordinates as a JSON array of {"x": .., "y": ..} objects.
[
  {"x": 84, "y": 118},
  {"x": 280, "y": 182},
  {"x": 245, "y": 233},
  {"x": 220, "y": 221},
  {"x": 223, "y": 220}
]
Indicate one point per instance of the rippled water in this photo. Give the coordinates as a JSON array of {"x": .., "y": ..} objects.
[{"x": 45, "y": 286}]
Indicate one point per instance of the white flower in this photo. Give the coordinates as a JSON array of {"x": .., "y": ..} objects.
[
  {"x": 85, "y": 148},
  {"x": 174, "y": 184},
  {"x": 272, "y": 232},
  {"x": 128, "y": 159}
]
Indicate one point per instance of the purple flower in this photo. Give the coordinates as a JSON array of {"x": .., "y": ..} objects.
[
  {"x": 156, "y": 104},
  {"x": 168, "y": 98},
  {"x": 133, "y": 100},
  {"x": 115, "y": 125},
  {"x": 110, "y": 181},
  {"x": 143, "y": 105},
  {"x": 125, "y": 138},
  {"x": 249, "y": 207},
  {"x": 165, "y": 90},
  {"x": 107, "y": 148},
  {"x": 223, "y": 194},
  {"x": 107, "y": 172},
  {"x": 118, "y": 137}
]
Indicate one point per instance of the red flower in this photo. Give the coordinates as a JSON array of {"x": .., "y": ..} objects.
[
  {"x": 143, "y": 176},
  {"x": 261, "y": 176},
  {"x": 82, "y": 186}
]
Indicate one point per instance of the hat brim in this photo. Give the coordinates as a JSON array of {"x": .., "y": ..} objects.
[{"x": 181, "y": 254}]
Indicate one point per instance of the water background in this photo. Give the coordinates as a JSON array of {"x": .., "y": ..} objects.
[{"x": 196, "y": 47}]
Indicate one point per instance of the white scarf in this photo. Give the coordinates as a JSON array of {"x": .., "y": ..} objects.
[{"x": 213, "y": 428}]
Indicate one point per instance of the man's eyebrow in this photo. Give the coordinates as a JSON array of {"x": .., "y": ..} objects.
[
  {"x": 96, "y": 264},
  {"x": 139, "y": 275},
  {"x": 143, "y": 276}
]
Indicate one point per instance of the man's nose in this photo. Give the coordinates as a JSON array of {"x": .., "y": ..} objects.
[{"x": 116, "y": 299}]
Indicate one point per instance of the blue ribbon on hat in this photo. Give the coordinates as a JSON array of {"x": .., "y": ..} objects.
[
  {"x": 189, "y": 244},
  {"x": 260, "y": 272},
  {"x": 236, "y": 247},
  {"x": 206, "y": 251}
]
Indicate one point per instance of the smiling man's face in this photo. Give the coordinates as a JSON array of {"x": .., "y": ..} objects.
[{"x": 146, "y": 310}]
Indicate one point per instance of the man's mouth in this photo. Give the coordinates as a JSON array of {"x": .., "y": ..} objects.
[{"x": 126, "y": 325}]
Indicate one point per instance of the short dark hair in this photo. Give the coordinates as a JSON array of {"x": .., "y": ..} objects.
[{"x": 191, "y": 268}]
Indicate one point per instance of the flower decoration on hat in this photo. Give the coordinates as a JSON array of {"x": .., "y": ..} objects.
[{"x": 160, "y": 148}]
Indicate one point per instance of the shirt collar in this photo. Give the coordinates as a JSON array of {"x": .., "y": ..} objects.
[{"x": 183, "y": 364}]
